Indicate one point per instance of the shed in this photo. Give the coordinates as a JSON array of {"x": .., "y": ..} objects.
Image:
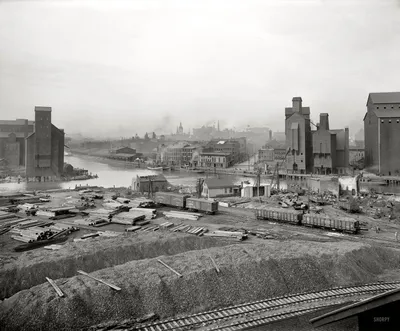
[
  {"x": 380, "y": 312},
  {"x": 145, "y": 184},
  {"x": 125, "y": 150},
  {"x": 216, "y": 187}
]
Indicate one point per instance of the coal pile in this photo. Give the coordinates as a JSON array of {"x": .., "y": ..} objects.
[{"x": 248, "y": 272}]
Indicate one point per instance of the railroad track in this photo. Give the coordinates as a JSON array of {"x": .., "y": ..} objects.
[{"x": 283, "y": 302}]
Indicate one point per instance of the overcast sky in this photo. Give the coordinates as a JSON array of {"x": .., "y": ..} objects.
[{"x": 118, "y": 67}]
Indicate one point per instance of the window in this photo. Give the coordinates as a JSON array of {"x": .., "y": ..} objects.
[
  {"x": 384, "y": 107},
  {"x": 377, "y": 107},
  {"x": 390, "y": 121},
  {"x": 397, "y": 121},
  {"x": 382, "y": 121}
]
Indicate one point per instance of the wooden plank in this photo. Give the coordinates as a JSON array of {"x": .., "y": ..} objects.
[
  {"x": 215, "y": 265},
  {"x": 167, "y": 266},
  {"x": 99, "y": 280},
  {"x": 52, "y": 283}
]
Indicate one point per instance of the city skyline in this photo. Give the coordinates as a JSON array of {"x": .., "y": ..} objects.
[{"x": 143, "y": 66}]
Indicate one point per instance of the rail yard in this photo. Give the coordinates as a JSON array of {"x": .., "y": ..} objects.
[{"x": 108, "y": 259}]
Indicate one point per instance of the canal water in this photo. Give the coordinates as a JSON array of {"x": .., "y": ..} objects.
[{"x": 118, "y": 174}]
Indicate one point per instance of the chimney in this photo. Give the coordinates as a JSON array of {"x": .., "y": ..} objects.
[
  {"x": 297, "y": 104},
  {"x": 324, "y": 121}
]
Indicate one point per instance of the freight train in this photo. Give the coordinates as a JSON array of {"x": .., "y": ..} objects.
[
  {"x": 344, "y": 224},
  {"x": 186, "y": 202}
]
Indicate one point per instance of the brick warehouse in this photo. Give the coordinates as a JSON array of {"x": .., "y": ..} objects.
[
  {"x": 382, "y": 133},
  {"x": 44, "y": 155}
]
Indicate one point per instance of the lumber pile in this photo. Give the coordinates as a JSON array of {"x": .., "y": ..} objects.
[
  {"x": 123, "y": 200},
  {"x": 37, "y": 233},
  {"x": 150, "y": 213},
  {"x": 141, "y": 202},
  {"x": 175, "y": 228},
  {"x": 226, "y": 234},
  {"x": 128, "y": 218},
  {"x": 182, "y": 215},
  {"x": 102, "y": 212}
]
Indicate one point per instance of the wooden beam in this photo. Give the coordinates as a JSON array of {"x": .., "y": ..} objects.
[
  {"x": 52, "y": 283},
  {"x": 99, "y": 280},
  {"x": 167, "y": 266},
  {"x": 215, "y": 265}
]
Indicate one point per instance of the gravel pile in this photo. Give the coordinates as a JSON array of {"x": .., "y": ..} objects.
[
  {"x": 248, "y": 272},
  {"x": 32, "y": 267}
]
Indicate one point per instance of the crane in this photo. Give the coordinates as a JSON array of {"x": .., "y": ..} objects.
[{"x": 276, "y": 170}]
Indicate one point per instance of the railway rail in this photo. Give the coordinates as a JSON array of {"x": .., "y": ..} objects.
[{"x": 283, "y": 302}]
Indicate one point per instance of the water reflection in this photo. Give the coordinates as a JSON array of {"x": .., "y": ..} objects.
[{"x": 113, "y": 173}]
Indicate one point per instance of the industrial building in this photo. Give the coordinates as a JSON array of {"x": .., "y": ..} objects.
[
  {"x": 382, "y": 133},
  {"x": 12, "y": 141},
  {"x": 149, "y": 184},
  {"x": 330, "y": 148},
  {"x": 298, "y": 138},
  {"x": 44, "y": 154}
]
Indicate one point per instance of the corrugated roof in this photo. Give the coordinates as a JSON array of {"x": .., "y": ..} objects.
[
  {"x": 384, "y": 97},
  {"x": 42, "y": 108},
  {"x": 357, "y": 308},
  {"x": 218, "y": 183}
]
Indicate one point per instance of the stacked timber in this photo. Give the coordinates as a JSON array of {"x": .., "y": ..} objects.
[
  {"x": 227, "y": 234},
  {"x": 112, "y": 205},
  {"x": 45, "y": 213},
  {"x": 182, "y": 215},
  {"x": 166, "y": 225},
  {"x": 123, "y": 200},
  {"x": 128, "y": 218},
  {"x": 150, "y": 213},
  {"x": 102, "y": 212},
  {"x": 29, "y": 223},
  {"x": 141, "y": 202}
]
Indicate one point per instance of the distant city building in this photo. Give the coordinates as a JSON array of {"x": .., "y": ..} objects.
[
  {"x": 12, "y": 141},
  {"x": 279, "y": 136},
  {"x": 382, "y": 133},
  {"x": 356, "y": 155},
  {"x": 298, "y": 138},
  {"x": 216, "y": 159},
  {"x": 265, "y": 154},
  {"x": 44, "y": 152},
  {"x": 330, "y": 148},
  {"x": 359, "y": 136}
]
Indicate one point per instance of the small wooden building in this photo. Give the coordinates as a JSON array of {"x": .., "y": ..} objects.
[
  {"x": 216, "y": 187},
  {"x": 146, "y": 184}
]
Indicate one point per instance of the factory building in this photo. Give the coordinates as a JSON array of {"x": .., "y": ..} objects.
[
  {"x": 382, "y": 133},
  {"x": 44, "y": 155},
  {"x": 12, "y": 141},
  {"x": 298, "y": 138},
  {"x": 330, "y": 148}
]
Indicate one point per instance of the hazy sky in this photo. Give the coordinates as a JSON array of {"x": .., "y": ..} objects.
[{"x": 117, "y": 67}]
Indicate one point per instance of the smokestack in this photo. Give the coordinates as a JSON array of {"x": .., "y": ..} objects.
[
  {"x": 324, "y": 121},
  {"x": 297, "y": 104}
]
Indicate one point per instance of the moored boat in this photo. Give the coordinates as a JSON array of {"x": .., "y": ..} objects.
[{"x": 155, "y": 168}]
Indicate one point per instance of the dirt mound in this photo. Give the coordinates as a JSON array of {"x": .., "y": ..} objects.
[
  {"x": 32, "y": 267},
  {"x": 248, "y": 272}
]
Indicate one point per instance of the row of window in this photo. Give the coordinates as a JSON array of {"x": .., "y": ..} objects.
[
  {"x": 390, "y": 121},
  {"x": 385, "y": 107}
]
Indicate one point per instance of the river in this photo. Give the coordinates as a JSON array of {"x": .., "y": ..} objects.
[{"x": 112, "y": 173}]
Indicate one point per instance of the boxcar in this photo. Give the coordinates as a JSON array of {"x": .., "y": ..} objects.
[
  {"x": 171, "y": 199},
  {"x": 345, "y": 224},
  {"x": 280, "y": 214},
  {"x": 208, "y": 206}
]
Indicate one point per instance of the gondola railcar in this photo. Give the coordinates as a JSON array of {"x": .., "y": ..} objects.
[
  {"x": 280, "y": 214},
  {"x": 345, "y": 224}
]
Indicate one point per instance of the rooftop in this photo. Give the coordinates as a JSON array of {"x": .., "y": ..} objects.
[
  {"x": 357, "y": 308},
  {"x": 384, "y": 97},
  {"x": 219, "y": 183},
  {"x": 42, "y": 108},
  {"x": 215, "y": 153}
]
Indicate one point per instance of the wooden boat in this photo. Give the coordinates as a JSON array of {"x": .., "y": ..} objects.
[
  {"x": 165, "y": 168},
  {"x": 155, "y": 168}
]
